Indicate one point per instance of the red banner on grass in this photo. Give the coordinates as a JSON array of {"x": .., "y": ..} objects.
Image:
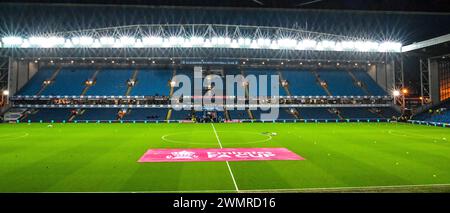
[{"x": 225, "y": 154}]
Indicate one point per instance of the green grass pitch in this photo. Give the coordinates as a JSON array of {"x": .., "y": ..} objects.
[{"x": 339, "y": 157}]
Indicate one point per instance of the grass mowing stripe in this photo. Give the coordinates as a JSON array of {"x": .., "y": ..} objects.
[{"x": 228, "y": 164}]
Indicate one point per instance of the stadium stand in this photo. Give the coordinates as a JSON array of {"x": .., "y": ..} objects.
[
  {"x": 317, "y": 113},
  {"x": 47, "y": 115},
  {"x": 103, "y": 114},
  {"x": 302, "y": 83},
  {"x": 111, "y": 82},
  {"x": 35, "y": 83},
  {"x": 438, "y": 114},
  {"x": 152, "y": 114},
  {"x": 75, "y": 77},
  {"x": 340, "y": 83},
  {"x": 369, "y": 83},
  {"x": 152, "y": 83},
  {"x": 181, "y": 115},
  {"x": 155, "y": 82},
  {"x": 357, "y": 113}
]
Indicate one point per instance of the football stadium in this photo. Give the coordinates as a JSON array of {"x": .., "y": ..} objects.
[{"x": 219, "y": 99}]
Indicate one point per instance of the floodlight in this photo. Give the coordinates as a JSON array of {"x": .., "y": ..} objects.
[
  {"x": 389, "y": 46},
  {"x": 12, "y": 41},
  {"x": 347, "y": 45},
  {"x": 68, "y": 44},
  {"x": 25, "y": 44},
  {"x": 138, "y": 43},
  {"x": 106, "y": 41},
  {"x": 396, "y": 93},
  {"x": 263, "y": 42},
  {"x": 84, "y": 41},
  {"x": 152, "y": 41},
  {"x": 234, "y": 44},
  {"x": 127, "y": 41},
  {"x": 287, "y": 43},
  {"x": 196, "y": 41},
  {"x": 326, "y": 45},
  {"x": 96, "y": 44},
  {"x": 308, "y": 44},
  {"x": 207, "y": 43},
  {"x": 405, "y": 91},
  {"x": 175, "y": 41},
  {"x": 5, "y": 92},
  {"x": 254, "y": 44}
]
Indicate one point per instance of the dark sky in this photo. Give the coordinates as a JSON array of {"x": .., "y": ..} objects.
[{"x": 378, "y": 5}]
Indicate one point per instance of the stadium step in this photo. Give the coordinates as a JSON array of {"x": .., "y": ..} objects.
[
  {"x": 320, "y": 80},
  {"x": 86, "y": 88},
  {"x": 227, "y": 115},
  {"x": 133, "y": 77},
  {"x": 169, "y": 112},
  {"x": 332, "y": 111},
  {"x": 355, "y": 80},
  {"x": 55, "y": 73},
  {"x": 296, "y": 112}
]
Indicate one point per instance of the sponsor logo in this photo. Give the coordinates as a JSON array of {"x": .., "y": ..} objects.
[{"x": 226, "y": 154}]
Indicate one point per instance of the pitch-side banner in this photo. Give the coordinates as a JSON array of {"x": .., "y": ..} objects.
[{"x": 225, "y": 154}]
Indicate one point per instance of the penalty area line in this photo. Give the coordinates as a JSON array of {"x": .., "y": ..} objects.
[{"x": 228, "y": 164}]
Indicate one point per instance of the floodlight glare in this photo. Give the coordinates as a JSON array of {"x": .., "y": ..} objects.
[
  {"x": 107, "y": 41},
  {"x": 83, "y": 41},
  {"x": 152, "y": 41},
  {"x": 127, "y": 41},
  {"x": 287, "y": 43},
  {"x": 197, "y": 41},
  {"x": 389, "y": 46},
  {"x": 5, "y": 92},
  {"x": 308, "y": 44},
  {"x": 254, "y": 44},
  {"x": 396, "y": 93},
  {"x": 12, "y": 41}
]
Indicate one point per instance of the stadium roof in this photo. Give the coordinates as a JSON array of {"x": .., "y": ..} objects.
[{"x": 32, "y": 19}]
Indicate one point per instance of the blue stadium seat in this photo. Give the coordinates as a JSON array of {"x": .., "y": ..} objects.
[
  {"x": 340, "y": 83},
  {"x": 357, "y": 113},
  {"x": 149, "y": 114},
  {"x": 316, "y": 113},
  {"x": 103, "y": 114},
  {"x": 69, "y": 82},
  {"x": 303, "y": 83},
  {"x": 152, "y": 83},
  {"x": 111, "y": 82},
  {"x": 283, "y": 114},
  {"x": 35, "y": 83},
  {"x": 181, "y": 115},
  {"x": 371, "y": 85},
  {"x": 49, "y": 114},
  {"x": 259, "y": 74},
  {"x": 238, "y": 114}
]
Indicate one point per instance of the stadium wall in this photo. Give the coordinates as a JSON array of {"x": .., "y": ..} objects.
[{"x": 20, "y": 72}]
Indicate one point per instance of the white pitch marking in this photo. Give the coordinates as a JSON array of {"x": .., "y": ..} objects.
[{"x": 228, "y": 164}]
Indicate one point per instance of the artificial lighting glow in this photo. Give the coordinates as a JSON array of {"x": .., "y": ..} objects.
[
  {"x": 83, "y": 41},
  {"x": 405, "y": 91},
  {"x": 5, "y": 92},
  {"x": 389, "y": 46},
  {"x": 107, "y": 41},
  {"x": 287, "y": 43},
  {"x": 307, "y": 44},
  {"x": 152, "y": 41},
  {"x": 12, "y": 41},
  {"x": 46, "y": 42},
  {"x": 396, "y": 93},
  {"x": 198, "y": 41}
]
